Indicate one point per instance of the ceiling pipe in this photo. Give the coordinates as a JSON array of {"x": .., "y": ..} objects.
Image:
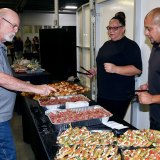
[
  {"x": 20, "y": 5},
  {"x": 56, "y": 9}
]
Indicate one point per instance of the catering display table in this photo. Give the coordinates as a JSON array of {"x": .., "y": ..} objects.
[{"x": 39, "y": 132}]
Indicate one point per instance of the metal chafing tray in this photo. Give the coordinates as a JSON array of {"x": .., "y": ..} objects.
[
  {"x": 60, "y": 101},
  {"x": 82, "y": 122}
]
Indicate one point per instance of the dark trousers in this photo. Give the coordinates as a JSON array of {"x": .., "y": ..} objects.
[
  {"x": 116, "y": 107},
  {"x": 155, "y": 116},
  {"x": 154, "y": 124}
]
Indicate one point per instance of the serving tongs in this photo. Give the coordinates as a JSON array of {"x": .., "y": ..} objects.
[
  {"x": 83, "y": 73},
  {"x": 88, "y": 72},
  {"x": 143, "y": 90}
]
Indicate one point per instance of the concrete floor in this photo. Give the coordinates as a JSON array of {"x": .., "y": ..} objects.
[{"x": 24, "y": 151}]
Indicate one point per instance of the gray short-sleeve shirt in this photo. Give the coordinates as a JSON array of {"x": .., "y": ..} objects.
[{"x": 7, "y": 97}]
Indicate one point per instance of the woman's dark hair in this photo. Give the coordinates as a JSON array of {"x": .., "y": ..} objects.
[{"x": 120, "y": 16}]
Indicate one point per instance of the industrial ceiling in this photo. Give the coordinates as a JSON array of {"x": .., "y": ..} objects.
[{"x": 39, "y": 5}]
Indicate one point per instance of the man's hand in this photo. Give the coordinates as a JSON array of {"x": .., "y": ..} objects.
[
  {"x": 145, "y": 98},
  {"x": 45, "y": 90},
  {"x": 143, "y": 87}
]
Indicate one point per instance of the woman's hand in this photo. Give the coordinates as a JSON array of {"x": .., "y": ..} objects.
[
  {"x": 110, "y": 67},
  {"x": 93, "y": 72}
]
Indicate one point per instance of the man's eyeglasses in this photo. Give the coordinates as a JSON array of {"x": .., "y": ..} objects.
[
  {"x": 13, "y": 25},
  {"x": 113, "y": 28}
]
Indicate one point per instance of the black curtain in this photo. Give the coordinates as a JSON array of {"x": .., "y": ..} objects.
[{"x": 58, "y": 51}]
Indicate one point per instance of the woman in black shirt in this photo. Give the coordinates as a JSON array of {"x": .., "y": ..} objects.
[{"x": 118, "y": 62}]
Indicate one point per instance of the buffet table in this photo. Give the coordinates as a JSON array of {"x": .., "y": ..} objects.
[{"x": 39, "y": 132}]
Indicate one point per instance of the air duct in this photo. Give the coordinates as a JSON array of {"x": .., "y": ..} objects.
[{"x": 56, "y": 9}]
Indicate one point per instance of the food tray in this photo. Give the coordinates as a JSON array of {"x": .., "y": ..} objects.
[
  {"x": 64, "y": 88},
  {"x": 74, "y": 139},
  {"x": 56, "y": 102},
  {"x": 89, "y": 152},
  {"x": 141, "y": 153},
  {"x": 61, "y": 119}
]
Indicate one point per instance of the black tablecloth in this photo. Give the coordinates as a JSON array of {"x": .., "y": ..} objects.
[
  {"x": 39, "y": 132},
  {"x": 35, "y": 78}
]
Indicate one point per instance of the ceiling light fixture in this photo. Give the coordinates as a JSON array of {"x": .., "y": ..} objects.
[{"x": 70, "y": 7}]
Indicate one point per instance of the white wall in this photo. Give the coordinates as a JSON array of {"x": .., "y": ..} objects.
[
  {"x": 47, "y": 19},
  {"x": 44, "y": 19}
]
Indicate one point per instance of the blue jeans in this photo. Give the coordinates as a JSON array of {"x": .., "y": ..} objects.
[{"x": 7, "y": 146}]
